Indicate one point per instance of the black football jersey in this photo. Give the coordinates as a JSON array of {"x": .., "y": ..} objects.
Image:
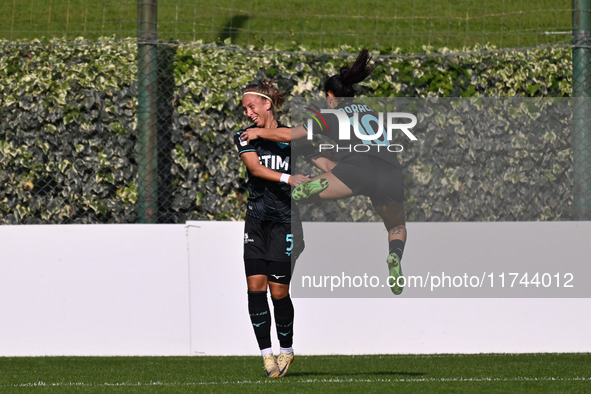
[{"x": 268, "y": 200}]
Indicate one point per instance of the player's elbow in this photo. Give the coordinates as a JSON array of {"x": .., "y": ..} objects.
[{"x": 257, "y": 171}]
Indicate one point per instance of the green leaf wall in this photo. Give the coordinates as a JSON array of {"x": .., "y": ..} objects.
[{"x": 68, "y": 132}]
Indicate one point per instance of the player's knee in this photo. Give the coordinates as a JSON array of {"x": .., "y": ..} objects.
[
  {"x": 278, "y": 291},
  {"x": 392, "y": 215},
  {"x": 256, "y": 283}
]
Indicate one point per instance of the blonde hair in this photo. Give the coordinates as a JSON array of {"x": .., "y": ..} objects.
[{"x": 266, "y": 90}]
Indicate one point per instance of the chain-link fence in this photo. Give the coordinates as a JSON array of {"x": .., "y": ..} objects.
[
  {"x": 321, "y": 25},
  {"x": 131, "y": 131},
  {"x": 71, "y": 147},
  {"x": 582, "y": 108}
]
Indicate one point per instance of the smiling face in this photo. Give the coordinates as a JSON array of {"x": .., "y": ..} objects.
[{"x": 259, "y": 110}]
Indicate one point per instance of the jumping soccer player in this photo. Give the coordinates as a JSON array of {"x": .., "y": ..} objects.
[
  {"x": 375, "y": 173},
  {"x": 273, "y": 235}
]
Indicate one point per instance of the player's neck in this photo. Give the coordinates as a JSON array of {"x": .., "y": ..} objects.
[{"x": 271, "y": 123}]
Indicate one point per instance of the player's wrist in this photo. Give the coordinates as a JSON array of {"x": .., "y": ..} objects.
[{"x": 285, "y": 178}]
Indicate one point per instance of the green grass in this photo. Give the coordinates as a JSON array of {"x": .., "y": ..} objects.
[
  {"x": 492, "y": 373},
  {"x": 376, "y": 24}
]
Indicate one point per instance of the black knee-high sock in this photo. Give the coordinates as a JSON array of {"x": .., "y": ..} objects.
[
  {"x": 260, "y": 316},
  {"x": 283, "y": 311},
  {"x": 396, "y": 246}
]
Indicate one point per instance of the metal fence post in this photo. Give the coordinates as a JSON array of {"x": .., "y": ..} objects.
[
  {"x": 582, "y": 108},
  {"x": 147, "y": 111}
]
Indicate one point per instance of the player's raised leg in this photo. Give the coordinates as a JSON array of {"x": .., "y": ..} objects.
[
  {"x": 325, "y": 186},
  {"x": 395, "y": 221},
  {"x": 309, "y": 189}
]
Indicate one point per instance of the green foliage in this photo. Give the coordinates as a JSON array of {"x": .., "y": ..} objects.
[
  {"x": 68, "y": 125},
  {"x": 67, "y": 133}
]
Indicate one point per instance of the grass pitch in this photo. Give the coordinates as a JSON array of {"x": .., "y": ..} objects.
[
  {"x": 487, "y": 373},
  {"x": 375, "y": 24}
]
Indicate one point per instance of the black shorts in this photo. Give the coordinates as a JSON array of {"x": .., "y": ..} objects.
[
  {"x": 370, "y": 176},
  {"x": 271, "y": 248}
]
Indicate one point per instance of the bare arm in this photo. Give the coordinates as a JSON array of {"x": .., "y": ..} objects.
[
  {"x": 283, "y": 134},
  {"x": 251, "y": 160}
]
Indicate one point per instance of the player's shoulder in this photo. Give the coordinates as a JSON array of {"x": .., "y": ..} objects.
[
  {"x": 244, "y": 129},
  {"x": 243, "y": 145},
  {"x": 239, "y": 132}
]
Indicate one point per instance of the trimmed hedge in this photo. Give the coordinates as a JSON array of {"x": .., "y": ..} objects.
[{"x": 68, "y": 131}]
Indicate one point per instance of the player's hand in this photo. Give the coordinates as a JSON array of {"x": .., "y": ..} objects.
[
  {"x": 297, "y": 180},
  {"x": 248, "y": 135}
]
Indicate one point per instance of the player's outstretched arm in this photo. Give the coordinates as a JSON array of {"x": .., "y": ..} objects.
[
  {"x": 251, "y": 160},
  {"x": 282, "y": 134},
  {"x": 298, "y": 179}
]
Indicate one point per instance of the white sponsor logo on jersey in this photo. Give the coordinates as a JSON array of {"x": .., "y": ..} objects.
[{"x": 275, "y": 162}]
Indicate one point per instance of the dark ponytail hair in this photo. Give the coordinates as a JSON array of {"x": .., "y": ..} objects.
[{"x": 341, "y": 84}]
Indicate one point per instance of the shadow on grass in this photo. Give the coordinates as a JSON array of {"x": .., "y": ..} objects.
[
  {"x": 363, "y": 373},
  {"x": 233, "y": 27}
]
